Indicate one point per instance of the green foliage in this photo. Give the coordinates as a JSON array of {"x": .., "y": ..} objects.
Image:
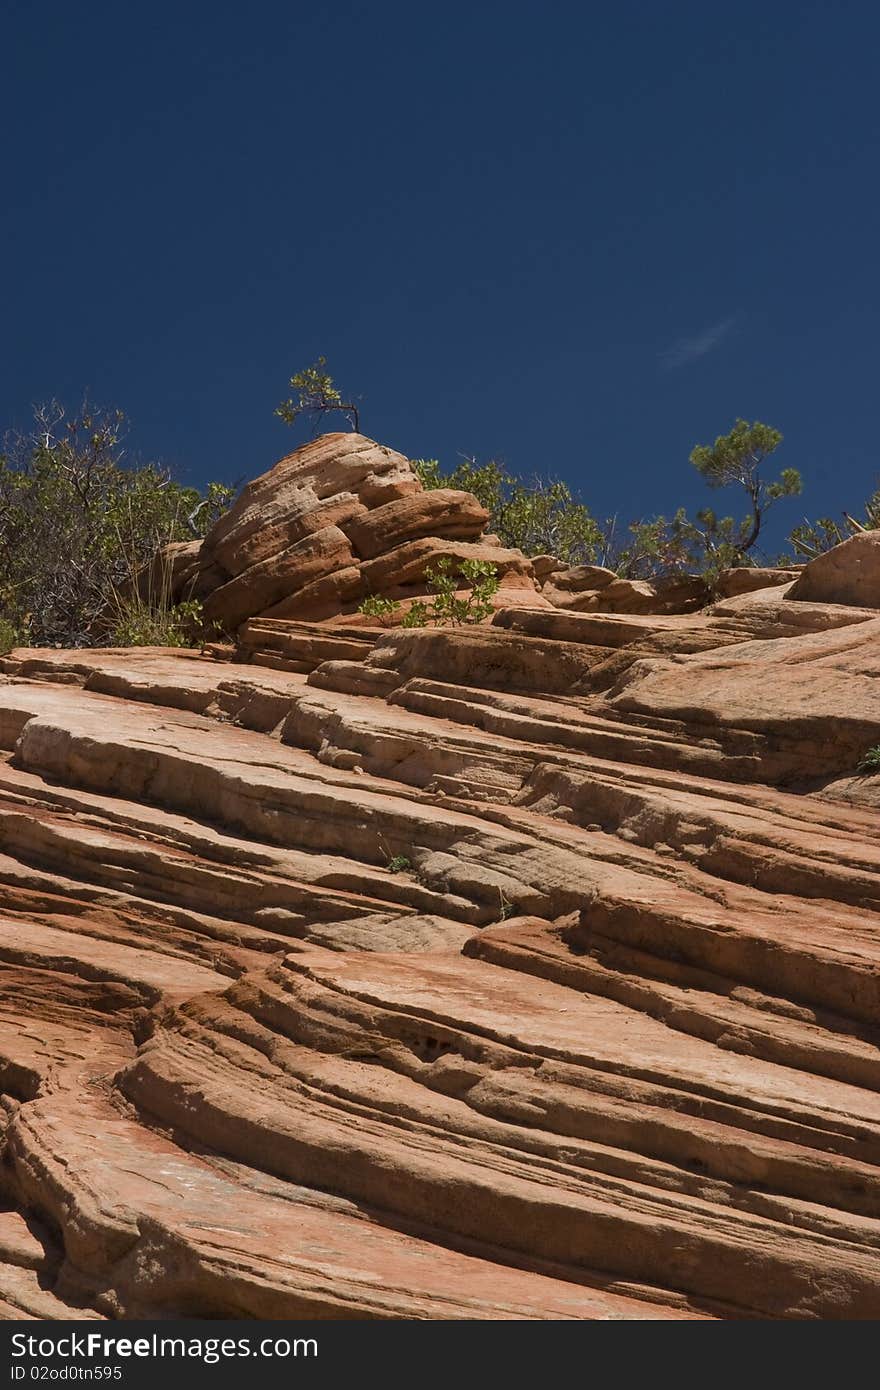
[
  {"x": 481, "y": 579},
  {"x": 736, "y": 458},
  {"x": 542, "y": 517},
  {"x": 8, "y": 636},
  {"x": 656, "y": 547},
  {"x": 489, "y": 482},
  {"x": 448, "y": 608},
  {"x": 428, "y": 473},
  {"x": 812, "y": 538},
  {"x": 142, "y": 624},
  {"x": 377, "y": 607},
  {"x": 399, "y": 864},
  {"x": 417, "y": 615},
  {"x": 217, "y": 499},
  {"x": 77, "y": 523},
  {"x": 871, "y": 761},
  {"x": 704, "y": 544},
  {"x": 317, "y": 395}
]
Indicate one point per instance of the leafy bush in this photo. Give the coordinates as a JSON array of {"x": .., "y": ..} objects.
[
  {"x": 544, "y": 517},
  {"x": 706, "y": 543},
  {"x": 8, "y": 636},
  {"x": 540, "y": 518},
  {"x": 377, "y": 607},
  {"x": 446, "y": 608},
  {"x": 871, "y": 761},
  {"x": 812, "y": 538},
  {"x": 143, "y": 624},
  {"x": 78, "y": 524},
  {"x": 317, "y": 396},
  {"x": 399, "y": 864}
]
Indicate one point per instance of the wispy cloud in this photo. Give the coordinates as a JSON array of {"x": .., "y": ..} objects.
[{"x": 690, "y": 349}]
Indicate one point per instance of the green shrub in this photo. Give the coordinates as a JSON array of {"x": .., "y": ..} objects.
[
  {"x": 542, "y": 517},
  {"x": 8, "y": 636},
  {"x": 446, "y": 608},
  {"x": 142, "y": 624},
  {"x": 417, "y": 615},
  {"x": 377, "y": 607},
  {"x": 399, "y": 864},
  {"x": 316, "y": 396},
  {"x": 813, "y": 538},
  {"x": 871, "y": 761},
  {"x": 79, "y": 524},
  {"x": 736, "y": 459}
]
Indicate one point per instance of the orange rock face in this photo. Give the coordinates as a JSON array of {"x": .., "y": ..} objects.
[
  {"x": 529, "y": 971},
  {"x": 338, "y": 520},
  {"x": 475, "y": 982},
  {"x": 848, "y": 573}
]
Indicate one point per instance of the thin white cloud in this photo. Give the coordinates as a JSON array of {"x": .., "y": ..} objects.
[{"x": 690, "y": 349}]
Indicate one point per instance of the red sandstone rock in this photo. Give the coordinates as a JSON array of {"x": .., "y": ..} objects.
[
  {"x": 339, "y": 519},
  {"x": 529, "y": 970},
  {"x": 744, "y": 579},
  {"x": 441, "y": 512},
  {"x": 545, "y": 565},
  {"x": 347, "y": 470},
  {"x": 407, "y": 564},
  {"x": 592, "y": 589},
  {"x": 318, "y": 556},
  {"x": 849, "y": 573}
]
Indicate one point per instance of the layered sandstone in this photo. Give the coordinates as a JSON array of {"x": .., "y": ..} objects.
[
  {"x": 849, "y": 573},
  {"x": 343, "y": 518},
  {"x": 522, "y": 971},
  {"x": 338, "y": 520}
]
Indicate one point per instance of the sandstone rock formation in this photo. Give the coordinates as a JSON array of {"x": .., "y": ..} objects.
[
  {"x": 593, "y": 589},
  {"x": 744, "y": 579},
  {"x": 848, "y": 573},
  {"x": 528, "y": 971},
  {"x": 334, "y": 522},
  {"x": 343, "y": 518}
]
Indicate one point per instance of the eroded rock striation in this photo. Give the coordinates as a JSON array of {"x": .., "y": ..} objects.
[
  {"x": 338, "y": 520},
  {"x": 527, "y": 971},
  {"x": 344, "y": 518}
]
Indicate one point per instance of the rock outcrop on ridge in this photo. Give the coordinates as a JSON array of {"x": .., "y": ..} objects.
[
  {"x": 344, "y": 518},
  {"x": 523, "y": 971},
  {"x": 848, "y": 573},
  {"x": 338, "y": 520}
]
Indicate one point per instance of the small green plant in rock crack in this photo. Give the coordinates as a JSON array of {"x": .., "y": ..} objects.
[
  {"x": 417, "y": 615},
  {"x": 399, "y": 864},
  {"x": 395, "y": 863},
  {"x": 447, "y": 608},
  {"x": 481, "y": 579},
  {"x": 870, "y": 763},
  {"x": 377, "y": 607}
]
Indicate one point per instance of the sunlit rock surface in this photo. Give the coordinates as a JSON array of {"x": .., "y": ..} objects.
[{"x": 524, "y": 971}]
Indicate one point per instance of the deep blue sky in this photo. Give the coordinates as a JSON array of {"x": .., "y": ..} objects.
[{"x": 580, "y": 236}]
